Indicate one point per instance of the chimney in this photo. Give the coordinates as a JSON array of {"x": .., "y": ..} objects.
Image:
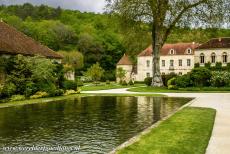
[{"x": 219, "y": 39}]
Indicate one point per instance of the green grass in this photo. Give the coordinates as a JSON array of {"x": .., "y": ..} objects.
[
  {"x": 93, "y": 87},
  {"x": 50, "y": 99},
  {"x": 186, "y": 132},
  {"x": 182, "y": 90}
]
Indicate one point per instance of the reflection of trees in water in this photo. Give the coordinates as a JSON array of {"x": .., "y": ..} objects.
[{"x": 106, "y": 120}]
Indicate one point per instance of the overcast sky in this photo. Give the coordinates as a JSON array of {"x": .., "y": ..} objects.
[{"x": 82, "y": 5}]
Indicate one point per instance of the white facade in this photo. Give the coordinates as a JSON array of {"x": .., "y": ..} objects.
[
  {"x": 221, "y": 55},
  {"x": 180, "y": 58},
  {"x": 129, "y": 74},
  {"x": 179, "y": 64}
]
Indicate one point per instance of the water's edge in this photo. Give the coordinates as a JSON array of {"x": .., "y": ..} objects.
[{"x": 147, "y": 130}]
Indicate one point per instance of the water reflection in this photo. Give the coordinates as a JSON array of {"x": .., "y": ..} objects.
[{"x": 97, "y": 124}]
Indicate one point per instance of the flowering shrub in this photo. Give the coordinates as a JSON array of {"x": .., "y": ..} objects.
[
  {"x": 220, "y": 79},
  {"x": 71, "y": 92},
  {"x": 39, "y": 94},
  {"x": 17, "y": 98}
]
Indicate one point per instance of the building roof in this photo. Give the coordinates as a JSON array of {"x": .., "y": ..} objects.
[
  {"x": 179, "y": 48},
  {"x": 14, "y": 42},
  {"x": 216, "y": 43},
  {"x": 125, "y": 60}
]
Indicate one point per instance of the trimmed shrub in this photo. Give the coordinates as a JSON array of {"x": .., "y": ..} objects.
[
  {"x": 183, "y": 81},
  {"x": 148, "y": 81},
  {"x": 171, "y": 82},
  {"x": 70, "y": 85},
  {"x": 167, "y": 77},
  {"x": 131, "y": 83},
  {"x": 201, "y": 77},
  {"x": 124, "y": 83},
  {"x": 17, "y": 98}
]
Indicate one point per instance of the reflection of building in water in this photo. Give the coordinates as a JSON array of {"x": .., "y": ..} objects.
[
  {"x": 144, "y": 109},
  {"x": 155, "y": 108}
]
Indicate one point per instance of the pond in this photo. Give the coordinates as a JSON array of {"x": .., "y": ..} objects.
[{"x": 95, "y": 124}]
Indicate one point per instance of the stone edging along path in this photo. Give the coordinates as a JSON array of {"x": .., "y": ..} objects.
[{"x": 220, "y": 139}]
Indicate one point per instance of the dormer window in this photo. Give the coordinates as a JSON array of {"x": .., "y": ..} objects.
[
  {"x": 172, "y": 52},
  {"x": 189, "y": 51}
]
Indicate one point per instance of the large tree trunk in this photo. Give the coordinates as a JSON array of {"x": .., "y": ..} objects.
[{"x": 156, "y": 45}]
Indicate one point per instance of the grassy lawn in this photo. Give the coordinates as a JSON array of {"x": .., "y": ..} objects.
[
  {"x": 186, "y": 132},
  {"x": 58, "y": 98},
  {"x": 181, "y": 90},
  {"x": 92, "y": 87}
]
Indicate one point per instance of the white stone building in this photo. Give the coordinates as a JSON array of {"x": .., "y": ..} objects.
[
  {"x": 213, "y": 51},
  {"x": 174, "y": 58},
  {"x": 128, "y": 67},
  {"x": 179, "y": 58}
]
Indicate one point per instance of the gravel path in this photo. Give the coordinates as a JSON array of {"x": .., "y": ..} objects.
[{"x": 220, "y": 139}]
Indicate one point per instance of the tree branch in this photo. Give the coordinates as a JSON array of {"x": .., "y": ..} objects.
[{"x": 172, "y": 25}]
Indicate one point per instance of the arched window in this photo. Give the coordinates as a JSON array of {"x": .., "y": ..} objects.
[
  {"x": 189, "y": 51},
  {"x": 225, "y": 57},
  {"x": 202, "y": 58},
  {"x": 172, "y": 52},
  {"x": 213, "y": 58}
]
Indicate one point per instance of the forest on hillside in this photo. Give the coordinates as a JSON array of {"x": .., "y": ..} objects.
[{"x": 98, "y": 37}]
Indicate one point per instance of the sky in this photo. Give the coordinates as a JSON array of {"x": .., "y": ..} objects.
[{"x": 82, "y": 5}]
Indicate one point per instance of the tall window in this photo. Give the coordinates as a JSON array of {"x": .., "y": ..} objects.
[
  {"x": 148, "y": 63},
  {"x": 225, "y": 57},
  {"x": 147, "y": 75},
  {"x": 180, "y": 62},
  {"x": 171, "y": 63},
  {"x": 202, "y": 58},
  {"x": 163, "y": 63},
  {"x": 213, "y": 58},
  {"x": 188, "y": 62}
]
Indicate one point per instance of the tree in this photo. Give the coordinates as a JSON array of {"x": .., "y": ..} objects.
[
  {"x": 164, "y": 15},
  {"x": 73, "y": 58},
  {"x": 121, "y": 73},
  {"x": 95, "y": 72}
]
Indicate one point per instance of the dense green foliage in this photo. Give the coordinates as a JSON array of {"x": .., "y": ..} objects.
[
  {"x": 99, "y": 37},
  {"x": 95, "y": 72},
  {"x": 148, "y": 81},
  {"x": 220, "y": 79},
  {"x": 28, "y": 75}
]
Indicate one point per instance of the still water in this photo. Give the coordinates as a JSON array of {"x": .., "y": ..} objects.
[{"x": 96, "y": 124}]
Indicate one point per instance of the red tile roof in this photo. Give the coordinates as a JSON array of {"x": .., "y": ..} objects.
[
  {"x": 216, "y": 43},
  {"x": 125, "y": 61},
  {"x": 14, "y": 42},
  {"x": 179, "y": 48}
]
